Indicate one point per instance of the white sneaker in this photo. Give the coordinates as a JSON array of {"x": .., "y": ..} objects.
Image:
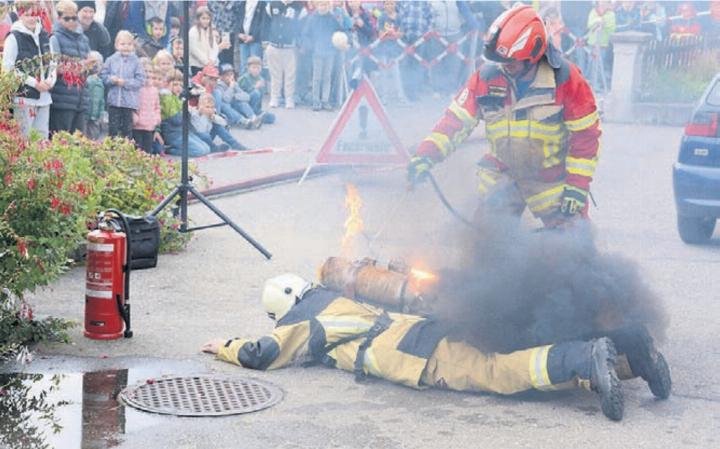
[
  {"x": 273, "y": 103},
  {"x": 290, "y": 105}
]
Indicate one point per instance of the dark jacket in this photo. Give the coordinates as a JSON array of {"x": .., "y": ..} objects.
[
  {"x": 27, "y": 49},
  {"x": 258, "y": 21},
  {"x": 150, "y": 47},
  {"x": 283, "y": 23},
  {"x": 99, "y": 39},
  {"x": 116, "y": 13},
  {"x": 72, "y": 44}
]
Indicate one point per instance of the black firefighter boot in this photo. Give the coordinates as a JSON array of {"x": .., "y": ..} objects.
[
  {"x": 644, "y": 359},
  {"x": 592, "y": 365}
]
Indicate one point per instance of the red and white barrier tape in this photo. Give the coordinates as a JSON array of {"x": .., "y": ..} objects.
[{"x": 235, "y": 153}]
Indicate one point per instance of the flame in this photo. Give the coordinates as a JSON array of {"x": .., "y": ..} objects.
[
  {"x": 421, "y": 275},
  {"x": 354, "y": 223}
]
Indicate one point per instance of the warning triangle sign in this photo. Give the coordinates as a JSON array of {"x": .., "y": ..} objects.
[{"x": 362, "y": 134}]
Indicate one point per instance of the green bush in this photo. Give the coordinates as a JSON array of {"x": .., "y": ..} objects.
[
  {"x": 682, "y": 85},
  {"x": 51, "y": 192}
]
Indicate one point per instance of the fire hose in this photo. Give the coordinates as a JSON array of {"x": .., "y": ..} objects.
[
  {"x": 447, "y": 204},
  {"x": 464, "y": 220}
]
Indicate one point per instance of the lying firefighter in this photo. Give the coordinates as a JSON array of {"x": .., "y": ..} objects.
[{"x": 318, "y": 325}]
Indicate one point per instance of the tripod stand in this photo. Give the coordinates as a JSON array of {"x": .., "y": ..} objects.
[{"x": 185, "y": 188}]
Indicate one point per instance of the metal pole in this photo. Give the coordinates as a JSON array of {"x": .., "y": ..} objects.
[{"x": 186, "y": 118}]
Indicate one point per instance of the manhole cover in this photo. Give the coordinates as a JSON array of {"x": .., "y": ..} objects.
[{"x": 201, "y": 395}]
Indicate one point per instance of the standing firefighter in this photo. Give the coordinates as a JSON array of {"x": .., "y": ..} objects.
[
  {"x": 540, "y": 119},
  {"x": 318, "y": 325}
]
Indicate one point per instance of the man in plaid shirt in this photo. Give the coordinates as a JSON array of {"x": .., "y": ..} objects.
[{"x": 415, "y": 20}]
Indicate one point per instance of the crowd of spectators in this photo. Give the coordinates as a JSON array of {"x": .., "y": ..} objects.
[
  {"x": 113, "y": 67},
  {"x": 583, "y": 29}
]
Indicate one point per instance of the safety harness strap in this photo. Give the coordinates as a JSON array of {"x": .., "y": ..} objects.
[{"x": 381, "y": 324}]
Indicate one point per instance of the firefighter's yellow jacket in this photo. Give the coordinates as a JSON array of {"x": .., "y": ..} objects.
[{"x": 312, "y": 329}]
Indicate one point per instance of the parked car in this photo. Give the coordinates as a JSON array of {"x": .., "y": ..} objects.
[{"x": 696, "y": 174}]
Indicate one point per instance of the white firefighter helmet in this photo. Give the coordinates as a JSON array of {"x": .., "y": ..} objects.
[{"x": 282, "y": 292}]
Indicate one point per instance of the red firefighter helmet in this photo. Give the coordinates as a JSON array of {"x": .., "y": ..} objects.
[
  {"x": 518, "y": 34},
  {"x": 686, "y": 10}
]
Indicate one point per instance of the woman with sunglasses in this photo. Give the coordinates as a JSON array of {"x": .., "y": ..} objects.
[{"x": 70, "y": 102}]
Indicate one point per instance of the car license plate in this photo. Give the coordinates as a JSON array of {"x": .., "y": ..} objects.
[{"x": 701, "y": 152}]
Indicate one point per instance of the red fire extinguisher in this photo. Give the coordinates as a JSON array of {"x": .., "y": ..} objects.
[{"x": 107, "y": 280}]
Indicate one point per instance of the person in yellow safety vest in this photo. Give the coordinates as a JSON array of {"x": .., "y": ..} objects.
[
  {"x": 540, "y": 119},
  {"x": 317, "y": 325}
]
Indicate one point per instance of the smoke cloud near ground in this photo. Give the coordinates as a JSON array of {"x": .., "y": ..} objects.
[{"x": 520, "y": 288}]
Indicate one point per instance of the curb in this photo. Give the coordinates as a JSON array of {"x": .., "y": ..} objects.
[{"x": 268, "y": 181}]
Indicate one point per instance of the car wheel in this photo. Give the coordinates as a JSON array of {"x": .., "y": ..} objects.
[{"x": 695, "y": 230}]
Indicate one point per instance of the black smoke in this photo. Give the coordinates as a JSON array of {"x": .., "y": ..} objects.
[{"x": 519, "y": 288}]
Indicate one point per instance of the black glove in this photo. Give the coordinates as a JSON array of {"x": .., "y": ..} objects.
[
  {"x": 573, "y": 200},
  {"x": 418, "y": 169}
]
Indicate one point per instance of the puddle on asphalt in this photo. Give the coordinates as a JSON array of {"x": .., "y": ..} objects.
[{"x": 71, "y": 410}]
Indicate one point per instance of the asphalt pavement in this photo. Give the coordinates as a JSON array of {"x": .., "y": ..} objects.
[{"x": 213, "y": 289}]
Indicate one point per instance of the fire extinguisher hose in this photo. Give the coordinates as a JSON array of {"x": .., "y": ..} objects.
[
  {"x": 447, "y": 204},
  {"x": 124, "y": 308}
]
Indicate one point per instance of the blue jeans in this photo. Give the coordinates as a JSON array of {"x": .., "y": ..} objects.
[
  {"x": 243, "y": 108},
  {"x": 219, "y": 131},
  {"x": 247, "y": 50},
  {"x": 196, "y": 147},
  {"x": 226, "y": 109},
  {"x": 256, "y": 97}
]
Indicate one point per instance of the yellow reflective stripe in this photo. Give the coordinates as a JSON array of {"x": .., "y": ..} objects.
[
  {"x": 539, "y": 376},
  {"x": 523, "y": 128},
  {"x": 550, "y": 202},
  {"x": 370, "y": 362},
  {"x": 462, "y": 114},
  {"x": 487, "y": 178},
  {"x": 582, "y": 122},
  {"x": 441, "y": 141},
  {"x": 545, "y": 199},
  {"x": 486, "y": 181},
  {"x": 551, "y": 161},
  {"x": 345, "y": 325},
  {"x": 578, "y": 166},
  {"x": 577, "y": 171}
]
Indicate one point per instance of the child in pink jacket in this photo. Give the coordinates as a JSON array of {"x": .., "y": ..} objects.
[{"x": 146, "y": 118}]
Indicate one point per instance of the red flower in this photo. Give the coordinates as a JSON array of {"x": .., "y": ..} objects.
[
  {"x": 65, "y": 209},
  {"x": 22, "y": 248},
  {"x": 82, "y": 190},
  {"x": 54, "y": 203},
  {"x": 8, "y": 179},
  {"x": 26, "y": 312},
  {"x": 31, "y": 184}
]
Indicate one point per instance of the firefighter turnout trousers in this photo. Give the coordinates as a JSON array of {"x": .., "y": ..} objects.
[{"x": 407, "y": 349}]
